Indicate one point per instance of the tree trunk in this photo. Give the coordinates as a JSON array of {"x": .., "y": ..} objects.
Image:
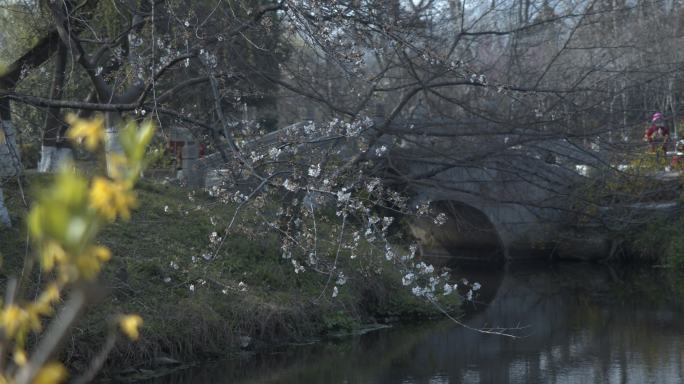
[
  {"x": 4, "y": 214},
  {"x": 611, "y": 117},
  {"x": 10, "y": 159},
  {"x": 10, "y": 162},
  {"x": 625, "y": 104},
  {"x": 673, "y": 105},
  {"x": 106, "y": 94},
  {"x": 455, "y": 8},
  {"x": 54, "y": 148}
]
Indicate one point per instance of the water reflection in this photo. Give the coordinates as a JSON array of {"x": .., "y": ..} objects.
[{"x": 580, "y": 324}]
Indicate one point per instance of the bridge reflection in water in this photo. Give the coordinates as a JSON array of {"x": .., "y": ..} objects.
[{"x": 579, "y": 323}]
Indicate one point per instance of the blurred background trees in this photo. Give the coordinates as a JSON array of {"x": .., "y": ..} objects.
[{"x": 462, "y": 82}]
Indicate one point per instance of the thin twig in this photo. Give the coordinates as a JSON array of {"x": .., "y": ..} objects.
[
  {"x": 54, "y": 335},
  {"x": 337, "y": 255},
  {"x": 97, "y": 362}
]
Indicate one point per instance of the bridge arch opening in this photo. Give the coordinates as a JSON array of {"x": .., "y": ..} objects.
[{"x": 467, "y": 236}]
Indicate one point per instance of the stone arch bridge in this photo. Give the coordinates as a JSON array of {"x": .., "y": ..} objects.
[
  {"x": 520, "y": 205},
  {"x": 492, "y": 213},
  {"x": 515, "y": 205}
]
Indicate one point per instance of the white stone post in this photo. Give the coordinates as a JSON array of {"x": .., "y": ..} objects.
[{"x": 192, "y": 176}]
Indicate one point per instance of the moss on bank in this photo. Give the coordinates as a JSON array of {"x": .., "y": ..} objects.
[
  {"x": 200, "y": 298},
  {"x": 660, "y": 241}
]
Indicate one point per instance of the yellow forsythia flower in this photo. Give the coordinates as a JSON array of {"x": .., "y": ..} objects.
[
  {"x": 51, "y": 254},
  {"x": 111, "y": 199},
  {"x": 33, "y": 313},
  {"x": 43, "y": 306},
  {"x": 129, "y": 325},
  {"x": 90, "y": 132},
  {"x": 89, "y": 263},
  {"x": 50, "y": 295},
  {"x": 12, "y": 319},
  {"x": 20, "y": 357},
  {"x": 51, "y": 373},
  {"x": 58, "y": 215},
  {"x": 101, "y": 253}
]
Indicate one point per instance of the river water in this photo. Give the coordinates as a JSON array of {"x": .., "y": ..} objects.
[{"x": 577, "y": 323}]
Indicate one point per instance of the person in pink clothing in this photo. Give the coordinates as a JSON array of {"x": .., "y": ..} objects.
[{"x": 657, "y": 135}]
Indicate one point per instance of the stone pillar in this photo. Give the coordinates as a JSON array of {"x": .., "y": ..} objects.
[
  {"x": 112, "y": 144},
  {"x": 191, "y": 174},
  {"x": 310, "y": 113},
  {"x": 378, "y": 114},
  {"x": 47, "y": 158},
  {"x": 51, "y": 158}
]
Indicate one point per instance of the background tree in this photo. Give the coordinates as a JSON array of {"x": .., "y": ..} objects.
[{"x": 498, "y": 80}]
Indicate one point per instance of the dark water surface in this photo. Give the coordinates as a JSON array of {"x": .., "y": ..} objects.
[{"x": 580, "y": 323}]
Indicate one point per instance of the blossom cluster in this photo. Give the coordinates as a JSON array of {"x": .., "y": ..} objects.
[{"x": 63, "y": 224}]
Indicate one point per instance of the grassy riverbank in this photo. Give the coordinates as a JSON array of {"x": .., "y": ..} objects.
[{"x": 200, "y": 298}]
